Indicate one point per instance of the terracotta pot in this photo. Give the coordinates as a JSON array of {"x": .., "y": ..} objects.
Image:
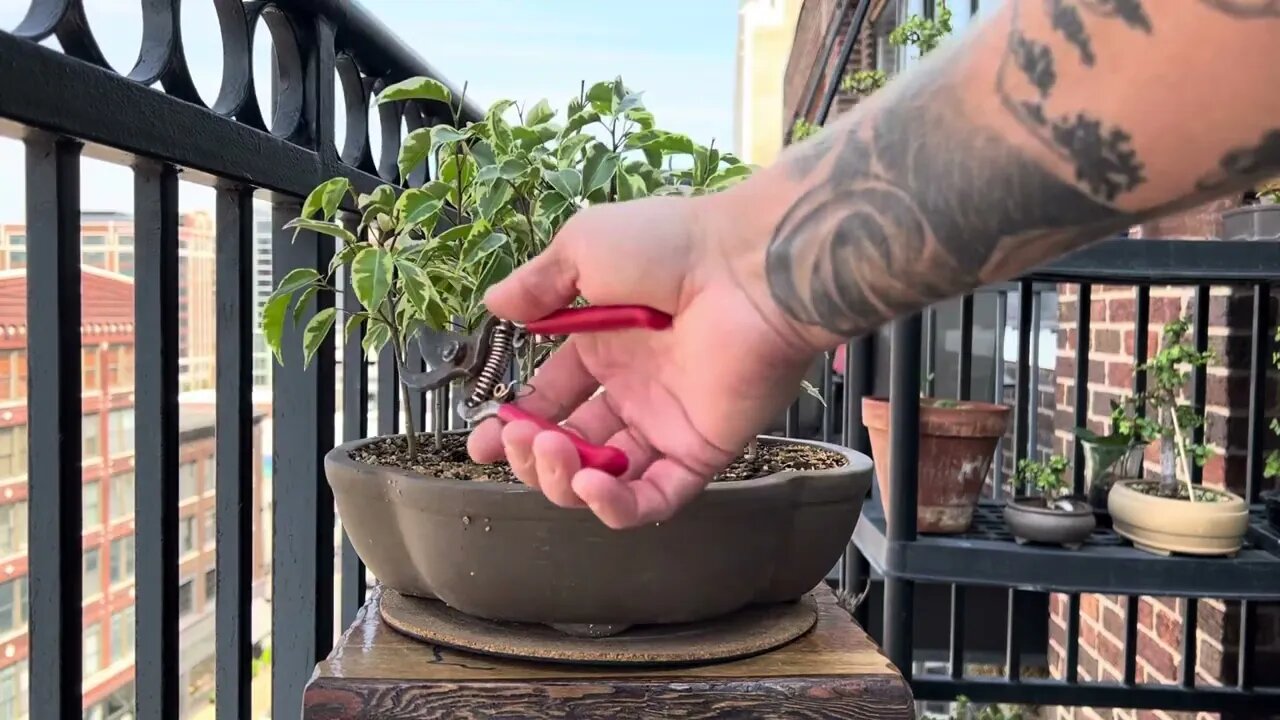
[
  {"x": 957, "y": 443},
  {"x": 504, "y": 552},
  {"x": 1029, "y": 520},
  {"x": 1166, "y": 525}
]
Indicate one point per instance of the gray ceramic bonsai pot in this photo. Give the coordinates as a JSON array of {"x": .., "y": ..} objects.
[
  {"x": 1030, "y": 521},
  {"x": 1252, "y": 222},
  {"x": 502, "y": 551}
]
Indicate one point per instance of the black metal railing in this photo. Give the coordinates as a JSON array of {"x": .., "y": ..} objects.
[{"x": 68, "y": 105}]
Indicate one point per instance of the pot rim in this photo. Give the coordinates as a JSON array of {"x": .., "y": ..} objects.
[
  {"x": 1232, "y": 498},
  {"x": 1032, "y": 504},
  {"x": 855, "y": 464},
  {"x": 961, "y": 405}
]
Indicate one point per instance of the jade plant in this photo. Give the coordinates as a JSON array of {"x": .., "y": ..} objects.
[
  {"x": 1045, "y": 477},
  {"x": 423, "y": 257}
]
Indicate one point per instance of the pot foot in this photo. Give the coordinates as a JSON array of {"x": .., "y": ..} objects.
[
  {"x": 1153, "y": 550},
  {"x": 1073, "y": 546},
  {"x": 1021, "y": 541}
]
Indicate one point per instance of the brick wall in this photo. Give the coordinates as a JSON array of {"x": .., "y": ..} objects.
[{"x": 1110, "y": 375}]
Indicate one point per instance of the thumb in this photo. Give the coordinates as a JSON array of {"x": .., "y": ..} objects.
[{"x": 541, "y": 286}]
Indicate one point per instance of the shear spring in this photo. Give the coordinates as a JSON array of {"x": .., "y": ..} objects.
[{"x": 501, "y": 351}]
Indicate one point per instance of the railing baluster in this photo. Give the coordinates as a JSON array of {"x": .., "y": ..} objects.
[
  {"x": 235, "y": 451},
  {"x": 53, "y": 345},
  {"x": 955, "y": 654},
  {"x": 156, "y": 447},
  {"x": 1198, "y": 388},
  {"x": 1141, "y": 321},
  {"x": 904, "y": 423},
  {"x": 1084, "y": 316},
  {"x": 355, "y": 426},
  {"x": 1259, "y": 366},
  {"x": 388, "y": 393},
  {"x": 964, "y": 378},
  {"x": 302, "y": 576},
  {"x": 1023, "y": 381}
]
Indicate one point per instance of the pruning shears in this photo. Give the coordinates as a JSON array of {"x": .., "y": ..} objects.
[{"x": 483, "y": 359}]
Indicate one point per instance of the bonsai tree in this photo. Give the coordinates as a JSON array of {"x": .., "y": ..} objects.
[
  {"x": 1046, "y": 477},
  {"x": 423, "y": 257},
  {"x": 863, "y": 82},
  {"x": 924, "y": 33},
  {"x": 1167, "y": 375}
]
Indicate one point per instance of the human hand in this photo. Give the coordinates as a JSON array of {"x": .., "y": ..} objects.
[{"x": 681, "y": 403}]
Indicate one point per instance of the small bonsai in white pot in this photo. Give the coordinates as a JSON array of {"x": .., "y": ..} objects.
[{"x": 1171, "y": 514}]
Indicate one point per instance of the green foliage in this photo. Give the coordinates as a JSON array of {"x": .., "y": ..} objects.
[
  {"x": 802, "y": 129},
  {"x": 424, "y": 256},
  {"x": 863, "y": 82},
  {"x": 962, "y": 710},
  {"x": 1045, "y": 477},
  {"x": 924, "y": 33},
  {"x": 1269, "y": 192}
]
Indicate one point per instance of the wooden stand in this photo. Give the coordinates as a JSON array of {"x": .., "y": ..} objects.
[{"x": 834, "y": 671}]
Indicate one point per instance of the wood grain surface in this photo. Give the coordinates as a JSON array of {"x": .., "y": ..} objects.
[{"x": 834, "y": 671}]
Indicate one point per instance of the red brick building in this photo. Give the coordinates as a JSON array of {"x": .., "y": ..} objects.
[{"x": 109, "y": 434}]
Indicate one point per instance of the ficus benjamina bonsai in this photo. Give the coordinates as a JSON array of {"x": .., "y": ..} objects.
[
  {"x": 1167, "y": 375},
  {"x": 501, "y": 188},
  {"x": 1044, "y": 476}
]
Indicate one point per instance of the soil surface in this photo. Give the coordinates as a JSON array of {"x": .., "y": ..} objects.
[
  {"x": 1202, "y": 494},
  {"x": 452, "y": 461}
]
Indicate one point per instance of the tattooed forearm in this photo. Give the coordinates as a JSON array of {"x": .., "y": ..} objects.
[
  {"x": 905, "y": 214},
  {"x": 929, "y": 190}
]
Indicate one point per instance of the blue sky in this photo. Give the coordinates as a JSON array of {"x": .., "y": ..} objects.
[{"x": 679, "y": 52}]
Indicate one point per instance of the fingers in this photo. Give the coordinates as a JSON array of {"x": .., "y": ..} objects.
[
  {"x": 546, "y": 283},
  {"x": 561, "y": 384},
  {"x": 663, "y": 489}
]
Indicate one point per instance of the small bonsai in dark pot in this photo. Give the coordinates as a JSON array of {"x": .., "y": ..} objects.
[{"x": 1051, "y": 517}]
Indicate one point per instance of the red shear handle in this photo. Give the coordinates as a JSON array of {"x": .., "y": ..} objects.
[
  {"x": 600, "y": 318},
  {"x": 601, "y": 457}
]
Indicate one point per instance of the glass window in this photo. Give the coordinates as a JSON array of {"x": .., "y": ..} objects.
[
  {"x": 92, "y": 649},
  {"x": 90, "y": 370},
  {"x": 13, "y": 690},
  {"x": 13, "y": 451},
  {"x": 210, "y": 529},
  {"x": 89, "y": 240},
  {"x": 91, "y": 437},
  {"x": 120, "y": 427},
  {"x": 122, "y": 495},
  {"x": 120, "y": 367},
  {"x": 186, "y": 598},
  {"x": 122, "y": 629},
  {"x": 186, "y": 481},
  {"x": 17, "y": 259},
  {"x": 210, "y": 585},
  {"x": 92, "y": 572},
  {"x": 13, "y": 604},
  {"x": 186, "y": 535},
  {"x": 94, "y": 258},
  {"x": 13, "y": 375},
  {"x": 13, "y": 528},
  {"x": 91, "y": 504},
  {"x": 123, "y": 560},
  {"x": 126, "y": 262},
  {"x": 17, "y": 241}
]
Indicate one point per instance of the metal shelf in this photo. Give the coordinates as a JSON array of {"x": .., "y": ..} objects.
[
  {"x": 1151, "y": 261},
  {"x": 988, "y": 555}
]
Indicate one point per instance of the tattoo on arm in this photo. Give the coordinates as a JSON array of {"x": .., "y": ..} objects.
[{"x": 912, "y": 202}]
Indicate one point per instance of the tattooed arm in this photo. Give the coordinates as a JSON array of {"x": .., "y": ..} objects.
[{"x": 1053, "y": 124}]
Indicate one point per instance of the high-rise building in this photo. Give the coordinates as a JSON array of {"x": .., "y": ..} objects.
[
  {"x": 107, "y": 243},
  {"x": 765, "y": 32},
  {"x": 108, "y": 502}
]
